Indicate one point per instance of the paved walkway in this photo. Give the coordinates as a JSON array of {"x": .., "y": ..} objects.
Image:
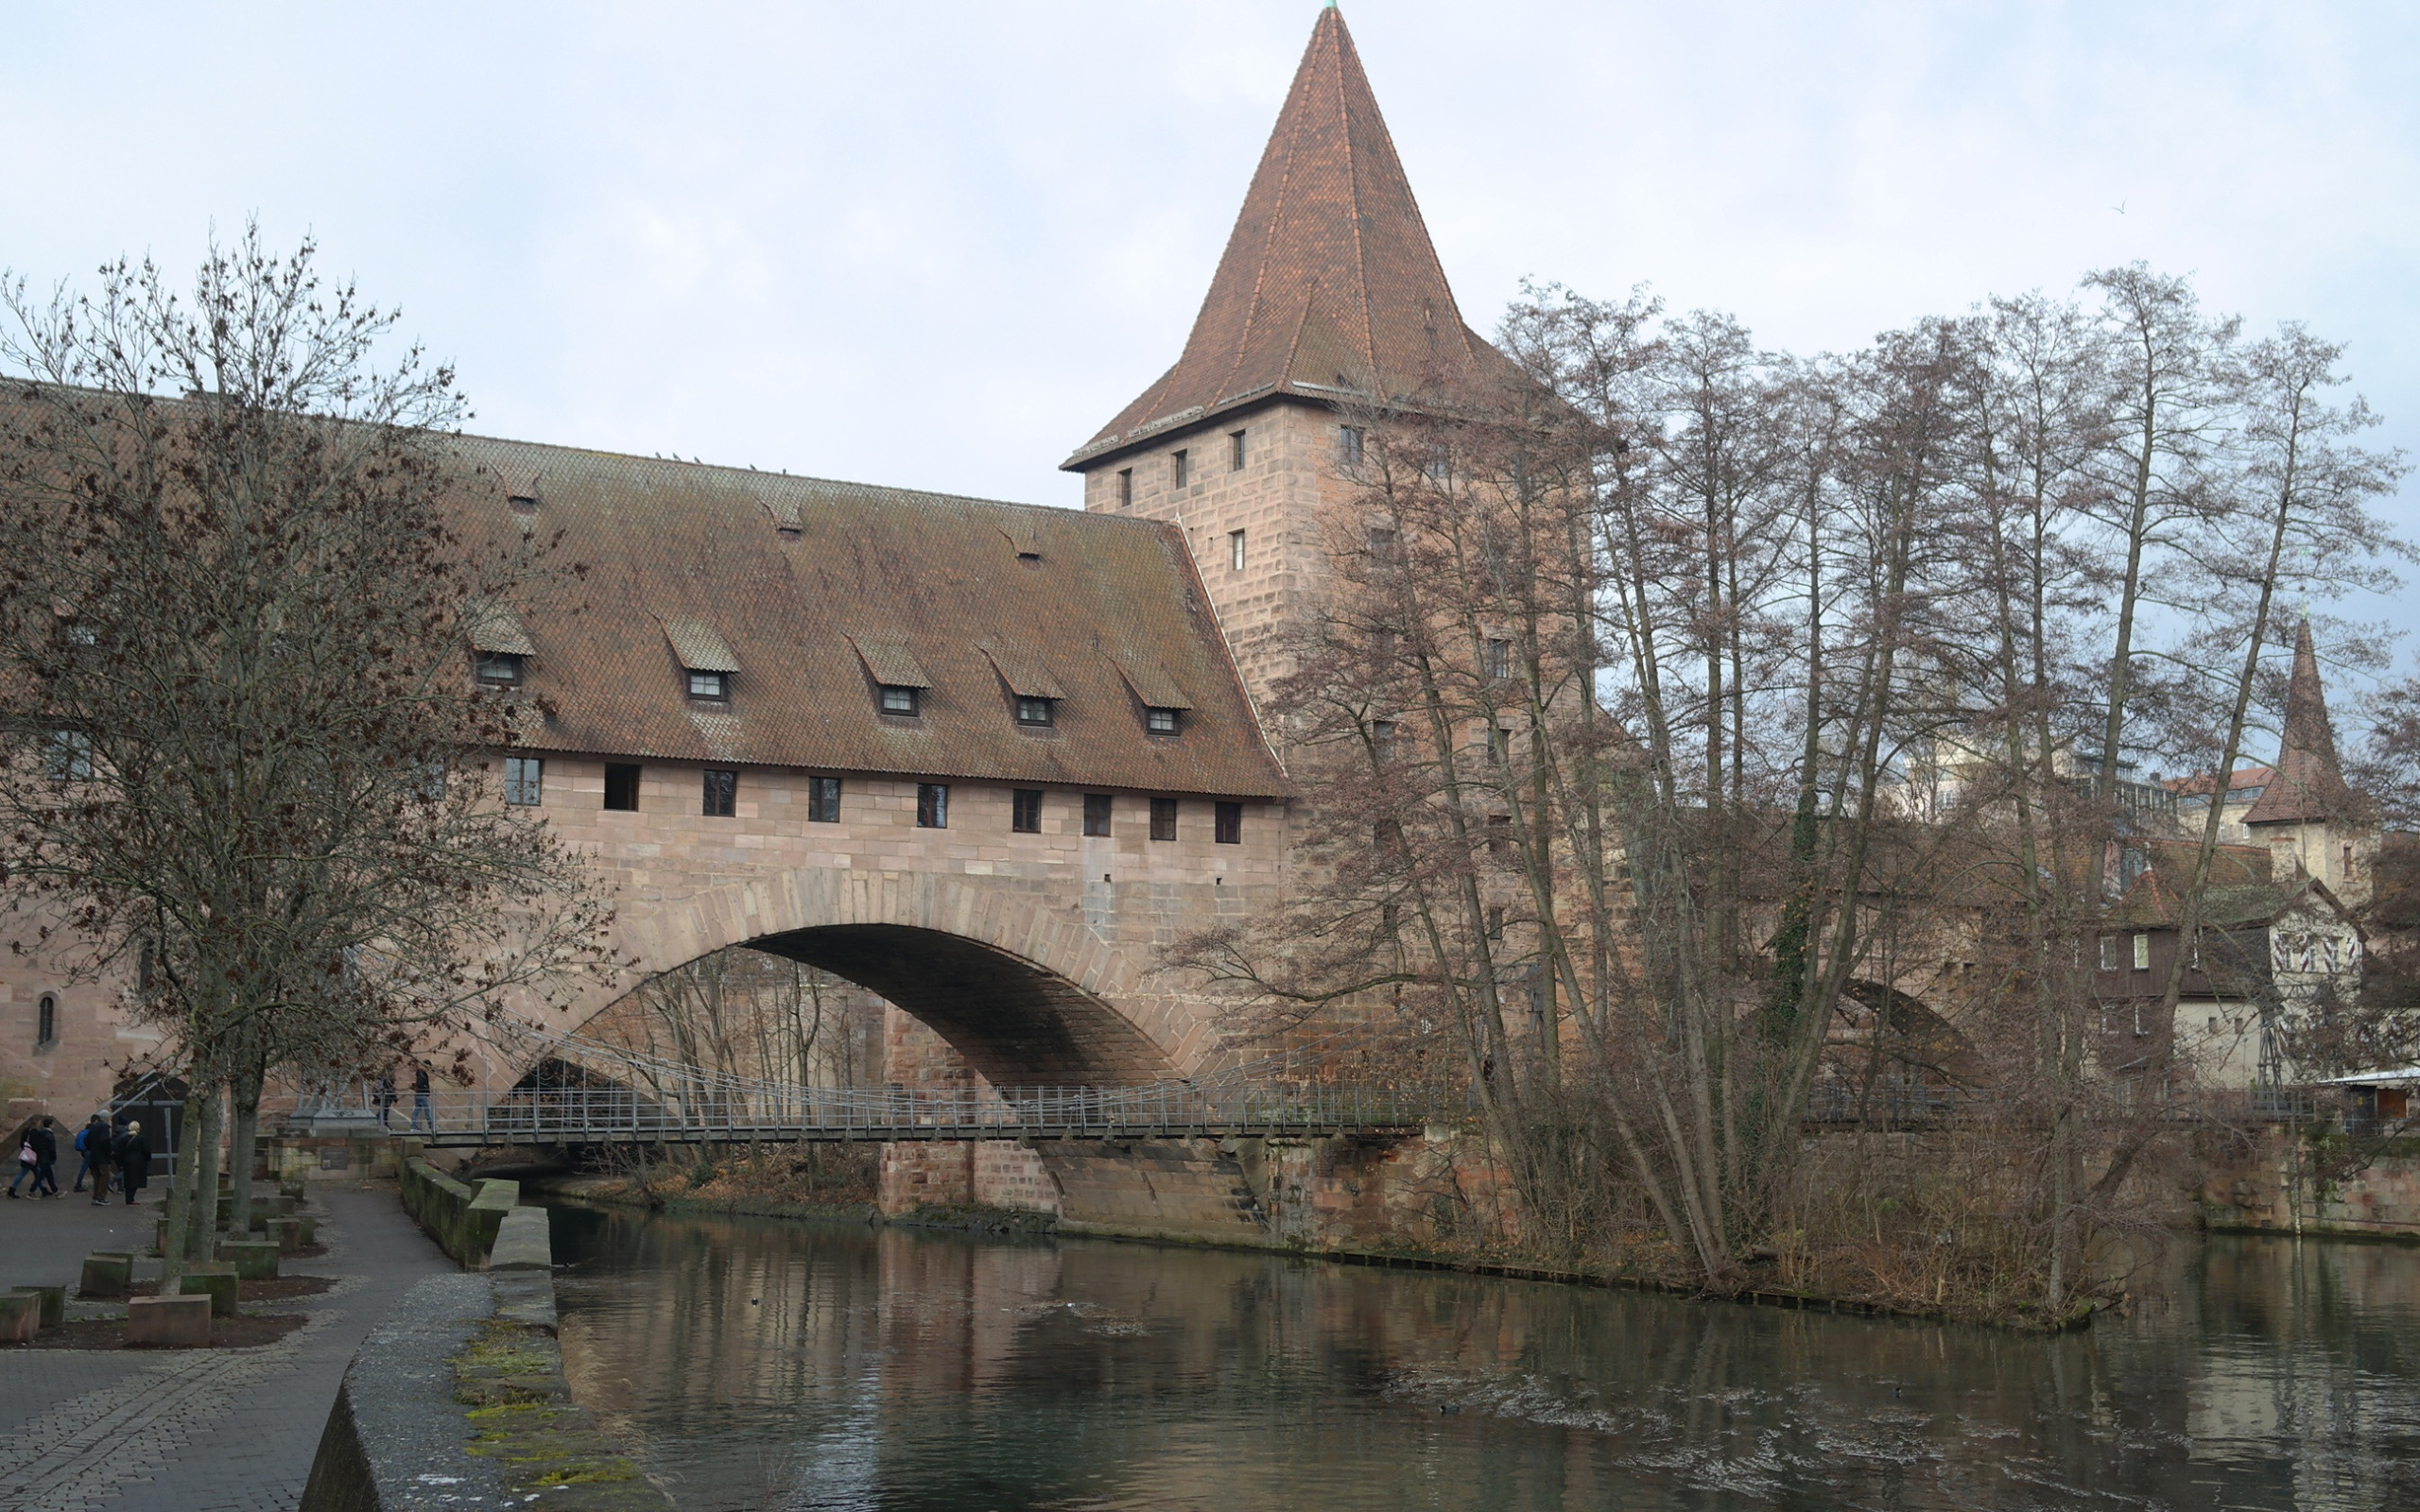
[{"x": 189, "y": 1431}]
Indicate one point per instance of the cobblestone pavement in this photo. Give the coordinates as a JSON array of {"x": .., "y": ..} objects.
[{"x": 190, "y": 1430}]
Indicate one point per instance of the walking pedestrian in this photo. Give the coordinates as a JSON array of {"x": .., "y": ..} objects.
[
  {"x": 95, "y": 1130},
  {"x": 133, "y": 1156},
  {"x": 37, "y": 1156},
  {"x": 97, "y": 1144},
  {"x": 420, "y": 1098},
  {"x": 385, "y": 1095}
]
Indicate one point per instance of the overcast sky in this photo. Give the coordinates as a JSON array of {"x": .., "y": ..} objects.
[{"x": 940, "y": 244}]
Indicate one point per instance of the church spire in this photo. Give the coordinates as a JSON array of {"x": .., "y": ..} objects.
[
  {"x": 1328, "y": 282},
  {"x": 2308, "y": 786}
]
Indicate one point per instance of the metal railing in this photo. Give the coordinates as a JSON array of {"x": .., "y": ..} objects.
[
  {"x": 1833, "y": 1102},
  {"x": 622, "y": 1115}
]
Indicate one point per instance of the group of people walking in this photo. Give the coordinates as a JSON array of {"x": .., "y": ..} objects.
[{"x": 104, "y": 1146}]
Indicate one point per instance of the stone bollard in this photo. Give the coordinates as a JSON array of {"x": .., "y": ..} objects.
[
  {"x": 291, "y": 1187},
  {"x": 215, "y": 1281},
  {"x": 255, "y": 1260},
  {"x": 106, "y": 1274},
  {"x": 287, "y": 1233},
  {"x": 308, "y": 1228},
  {"x": 53, "y": 1302},
  {"x": 20, "y": 1317},
  {"x": 167, "y": 1322}
]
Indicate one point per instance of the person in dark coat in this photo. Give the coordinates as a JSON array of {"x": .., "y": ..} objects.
[
  {"x": 133, "y": 1157},
  {"x": 420, "y": 1099},
  {"x": 95, "y": 1144},
  {"x": 38, "y": 1156}
]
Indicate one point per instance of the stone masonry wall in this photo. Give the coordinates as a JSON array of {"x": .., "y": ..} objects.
[{"x": 2273, "y": 1179}]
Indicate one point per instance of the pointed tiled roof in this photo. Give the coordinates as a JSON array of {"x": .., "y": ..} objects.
[
  {"x": 2308, "y": 786},
  {"x": 1329, "y": 285}
]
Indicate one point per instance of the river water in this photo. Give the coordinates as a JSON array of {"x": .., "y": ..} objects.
[{"x": 752, "y": 1364}]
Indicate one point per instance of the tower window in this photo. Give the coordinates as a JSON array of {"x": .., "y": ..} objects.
[
  {"x": 1499, "y": 659},
  {"x": 932, "y": 806},
  {"x": 1035, "y": 710},
  {"x": 1499, "y": 833},
  {"x": 1126, "y": 487},
  {"x": 1163, "y": 819},
  {"x": 1025, "y": 812},
  {"x": 714, "y": 685},
  {"x": 47, "y": 1023},
  {"x": 2109, "y": 953},
  {"x": 899, "y": 700},
  {"x": 1227, "y": 828},
  {"x": 1097, "y": 807},
  {"x": 1160, "y": 721},
  {"x": 2142, "y": 953},
  {"x": 1180, "y": 468},
  {"x": 499, "y": 669},
  {"x": 1348, "y": 445},
  {"x": 1235, "y": 550},
  {"x": 723, "y": 793},
  {"x": 1382, "y": 544},
  {"x": 524, "y": 781},
  {"x": 622, "y": 786},
  {"x": 1382, "y": 740},
  {"x": 824, "y": 800},
  {"x": 1234, "y": 451}
]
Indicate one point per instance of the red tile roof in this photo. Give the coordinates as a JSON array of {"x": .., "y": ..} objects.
[
  {"x": 1329, "y": 287},
  {"x": 807, "y": 591}
]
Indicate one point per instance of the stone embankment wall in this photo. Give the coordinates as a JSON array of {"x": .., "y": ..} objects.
[
  {"x": 458, "y": 1400},
  {"x": 2285, "y": 1179},
  {"x": 1425, "y": 1191}
]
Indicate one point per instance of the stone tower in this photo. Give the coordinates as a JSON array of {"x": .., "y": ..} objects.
[
  {"x": 2313, "y": 823},
  {"x": 1328, "y": 298}
]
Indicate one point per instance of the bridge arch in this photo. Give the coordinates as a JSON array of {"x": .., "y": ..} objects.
[{"x": 1031, "y": 994}]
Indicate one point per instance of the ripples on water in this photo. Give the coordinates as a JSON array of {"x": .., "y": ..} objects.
[{"x": 752, "y": 1364}]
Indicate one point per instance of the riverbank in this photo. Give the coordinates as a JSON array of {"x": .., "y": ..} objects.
[{"x": 671, "y": 1195}]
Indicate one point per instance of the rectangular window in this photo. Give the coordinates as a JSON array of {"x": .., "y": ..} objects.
[
  {"x": 1499, "y": 659},
  {"x": 1163, "y": 819},
  {"x": 1097, "y": 813},
  {"x": 1024, "y": 814},
  {"x": 499, "y": 669},
  {"x": 1234, "y": 451},
  {"x": 1382, "y": 740},
  {"x": 1034, "y": 710},
  {"x": 1235, "y": 550},
  {"x": 723, "y": 793},
  {"x": 2142, "y": 953},
  {"x": 1495, "y": 921},
  {"x": 1499, "y": 833},
  {"x": 524, "y": 781},
  {"x": 1180, "y": 468},
  {"x": 1229, "y": 828},
  {"x": 1348, "y": 445},
  {"x": 899, "y": 700},
  {"x": 622, "y": 786},
  {"x": 69, "y": 756},
  {"x": 1160, "y": 721},
  {"x": 709, "y": 685},
  {"x": 824, "y": 800},
  {"x": 1382, "y": 544},
  {"x": 46, "y": 1026},
  {"x": 2109, "y": 953},
  {"x": 932, "y": 806},
  {"x": 1126, "y": 487},
  {"x": 1499, "y": 744}
]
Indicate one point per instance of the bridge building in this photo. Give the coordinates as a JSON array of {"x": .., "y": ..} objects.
[{"x": 985, "y": 759}]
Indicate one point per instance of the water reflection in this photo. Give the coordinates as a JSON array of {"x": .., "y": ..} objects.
[{"x": 755, "y": 1364}]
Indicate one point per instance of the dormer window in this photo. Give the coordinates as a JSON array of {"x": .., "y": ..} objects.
[
  {"x": 1036, "y": 712},
  {"x": 500, "y": 669},
  {"x": 1160, "y": 721},
  {"x": 705, "y": 658},
  {"x": 899, "y": 700}
]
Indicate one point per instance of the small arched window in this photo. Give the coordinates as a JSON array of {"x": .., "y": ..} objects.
[{"x": 46, "y": 1021}]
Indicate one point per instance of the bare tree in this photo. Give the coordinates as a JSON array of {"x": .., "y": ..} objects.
[{"x": 245, "y": 762}]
